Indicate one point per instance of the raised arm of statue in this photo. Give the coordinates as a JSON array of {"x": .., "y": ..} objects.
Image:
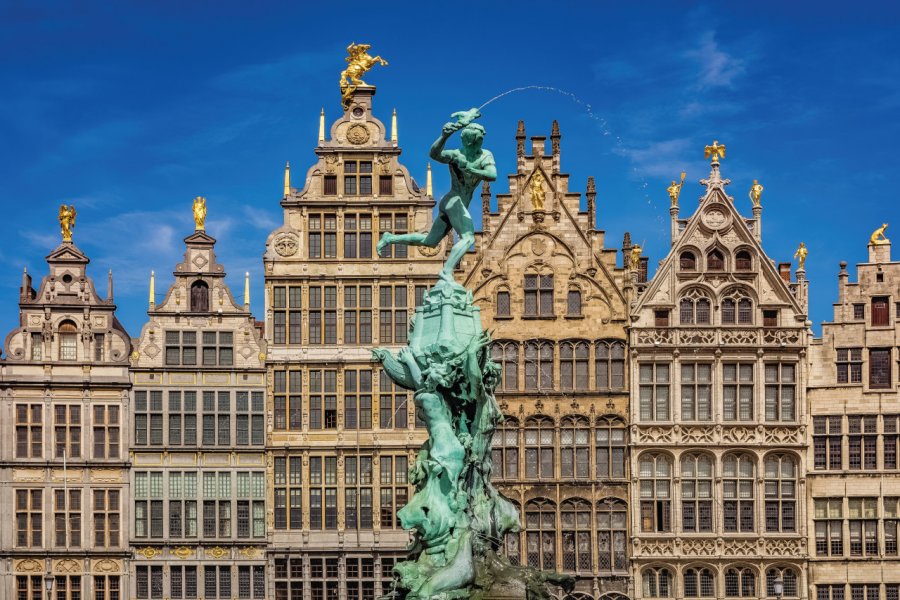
[{"x": 437, "y": 148}]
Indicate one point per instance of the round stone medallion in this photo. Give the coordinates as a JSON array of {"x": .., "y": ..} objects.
[
  {"x": 357, "y": 134},
  {"x": 714, "y": 218}
]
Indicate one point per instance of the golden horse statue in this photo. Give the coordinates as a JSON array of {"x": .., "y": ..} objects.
[{"x": 358, "y": 63}]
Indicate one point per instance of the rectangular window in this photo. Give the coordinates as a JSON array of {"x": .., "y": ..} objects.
[
  {"x": 859, "y": 312},
  {"x": 288, "y": 471},
  {"x": 770, "y": 318},
  {"x": 250, "y": 418},
  {"x": 358, "y": 399},
  {"x": 29, "y": 430},
  {"x": 827, "y": 439},
  {"x": 29, "y": 518},
  {"x": 890, "y": 441},
  {"x": 216, "y": 418},
  {"x": 149, "y": 582},
  {"x": 880, "y": 368},
  {"x": 183, "y": 582},
  {"x": 106, "y": 431},
  {"x": 182, "y": 504},
  {"x": 394, "y": 489},
  {"x": 358, "y": 492},
  {"x": 358, "y": 314},
  {"x": 393, "y": 403},
  {"x": 396, "y": 223},
  {"x": 780, "y": 391},
  {"x": 863, "y": 526},
  {"x": 323, "y": 399},
  {"x": 37, "y": 346},
  {"x": 99, "y": 346},
  {"x": 330, "y": 185},
  {"x": 660, "y": 318},
  {"x": 67, "y": 430},
  {"x": 891, "y": 519},
  {"x": 357, "y": 235},
  {"x": 67, "y": 518},
  {"x": 881, "y": 315},
  {"x": 737, "y": 392},
  {"x": 828, "y": 525},
  {"x": 106, "y": 587},
  {"x": 696, "y": 392},
  {"x": 393, "y": 315},
  {"x": 654, "y": 392},
  {"x": 181, "y": 347},
  {"x": 384, "y": 185},
  {"x": 286, "y": 304},
  {"x": 862, "y": 442},
  {"x": 849, "y": 365},
  {"x": 323, "y": 315}
]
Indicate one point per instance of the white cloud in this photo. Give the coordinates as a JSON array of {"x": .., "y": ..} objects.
[
  {"x": 261, "y": 219},
  {"x": 717, "y": 68},
  {"x": 665, "y": 159}
]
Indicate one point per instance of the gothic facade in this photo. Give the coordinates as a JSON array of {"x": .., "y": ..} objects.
[
  {"x": 198, "y": 476},
  {"x": 341, "y": 436},
  {"x": 64, "y": 488},
  {"x": 551, "y": 294},
  {"x": 718, "y": 345},
  {"x": 854, "y": 482}
]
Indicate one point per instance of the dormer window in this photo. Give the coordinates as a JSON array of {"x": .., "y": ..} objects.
[
  {"x": 715, "y": 261},
  {"x": 199, "y": 297},
  {"x": 688, "y": 262},
  {"x": 742, "y": 261},
  {"x": 68, "y": 341}
]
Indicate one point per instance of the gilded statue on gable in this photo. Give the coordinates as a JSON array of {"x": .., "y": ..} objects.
[
  {"x": 358, "y": 63},
  {"x": 635, "y": 261},
  {"x": 756, "y": 191},
  {"x": 714, "y": 151},
  {"x": 200, "y": 212},
  {"x": 800, "y": 255},
  {"x": 537, "y": 191},
  {"x": 674, "y": 189},
  {"x": 66, "y": 221},
  {"x": 878, "y": 238}
]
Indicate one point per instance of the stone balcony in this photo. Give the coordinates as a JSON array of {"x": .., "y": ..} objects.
[{"x": 716, "y": 336}]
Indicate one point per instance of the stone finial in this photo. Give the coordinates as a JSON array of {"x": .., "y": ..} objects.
[
  {"x": 394, "y": 126},
  {"x": 591, "y": 195},
  {"x": 247, "y": 289},
  {"x": 428, "y": 186},
  {"x": 485, "y": 206},
  {"x": 520, "y": 139},
  {"x": 109, "y": 286},
  {"x": 152, "y": 289},
  {"x": 322, "y": 126}
]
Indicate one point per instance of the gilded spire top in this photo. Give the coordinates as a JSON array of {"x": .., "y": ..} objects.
[
  {"x": 358, "y": 63},
  {"x": 66, "y": 222},
  {"x": 715, "y": 151},
  {"x": 200, "y": 213}
]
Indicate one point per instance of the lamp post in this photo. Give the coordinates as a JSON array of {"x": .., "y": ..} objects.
[
  {"x": 48, "y": 584},
  {"x": 778, "y": 586}
]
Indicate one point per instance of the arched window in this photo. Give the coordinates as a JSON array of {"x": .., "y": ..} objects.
[
  {"x": 699, "y": 583},
  {"x": 687, "y": 261},
  {"x": 505, "y": 452},
  {"x": 781, "y": 493},
  {"x": 511, "y": 543},
  {"x": 503, "y": 304},
  {"x": 696, "y": 493},
  {"x": 745, "y": 312},
  {"x": 539, "y": 295},
  {"x": 656, "y": 493},
  {"x": 539, "y": 448},
  {"x": 574, "y": 448},
  {"x": 686, "y": 314},
  {"x": 788, "y": 578},
  {"x": 68, "y": 341},
  {"x": 743, "y": 261},
  {"x": 506, "y": 354},
  {"x": 573, "y": 366},
  {"x": 540, "y": 534},
  {"x": 199, "y": 297},
  {"x": 611, "y": 443},
  {"x": 694, "y": 308},
  {"x": 573, "y": 302},
  {"x": 657, "y": 582},
  {"x": 575, "y": 517},
  {"x": 538, "y": 365},
  {"x": 740, "y": 582},
  {"x": 715, "y": 261},
  {"x": 612, "y": 521},
  {"x": 739, "y": 485},
  {"x": 737, "y": 308},
  {"x": 610, "y": 364}
]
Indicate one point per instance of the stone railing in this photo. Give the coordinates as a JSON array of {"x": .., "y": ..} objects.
[
  {"x": 742, "y": 435},
  {"x": 709, "y": 336},
  {"x": 719, "y": 546}
]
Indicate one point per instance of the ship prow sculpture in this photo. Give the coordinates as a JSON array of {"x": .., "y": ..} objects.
[{"x": 457, "y": 518}]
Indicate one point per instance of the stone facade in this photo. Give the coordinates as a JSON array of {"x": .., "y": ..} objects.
[
  {"x": 198, "y": 479},
  {"x": 718, "y": 463},
  {"x": 341, "y": 436},
  {"x": 551, "y": 294},
  {"x": 854, "y": 483},
  {"x": 64, "y": 399}
]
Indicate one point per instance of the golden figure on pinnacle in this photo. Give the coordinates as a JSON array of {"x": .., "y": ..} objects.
[
  {"x": 800, "y": 255},
  {"x": 878, "y": 238},
  {"x": 66, "y": 221},
  {"x": 358, "y": 63},
  {"x": 200, "y": 212},
  {"x": 715, "y": 152},
  {"x": 675, "y": 190}
]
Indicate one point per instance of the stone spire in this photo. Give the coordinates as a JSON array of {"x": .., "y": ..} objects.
[
  {"x": 428, "y": 190},
  {"x": 554, "y": 143},
  {"x": 152, "y": 290},
  {"x": 322, "y": 126},
  {"x": 394, "y": 127},
  {"x": 247, "y": 290},
  {"x": 520, "y": 140},
  {"x": 486, "y": 207},
  {"x": 591, "y": 195},
  {"x": 287, "y": 179},
  {"x": 109, "y": 286}
]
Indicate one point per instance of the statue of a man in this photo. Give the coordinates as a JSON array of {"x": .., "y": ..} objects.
[
  {"x": 537, "y": 191},
  {"x": 800, "y": 255},
  {"x": 200, "y": 212},
  {"x": 756, "y": 191},
  {"x": 469, "y": 166},
  {"x": 66, "y": 221},
  {"x": 635, "y": 257}
]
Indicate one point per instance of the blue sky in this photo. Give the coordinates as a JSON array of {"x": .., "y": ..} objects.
[{"x": 130, "y": 110}]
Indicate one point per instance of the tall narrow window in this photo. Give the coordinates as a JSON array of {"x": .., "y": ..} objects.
[
  {"x": 574, "y": 448},
  {"x": 780, "y": 391},
  {"x": 612, "y": 520},
  {"x": 396, "y": 223},
  {"x": 29, "y": 430},
  {"x": 539, "y": 433},
  {"x": 880, "y": 368},
  {"x": 67, "y": 518},
  {"x": 538, "y": 365},
  {"x": 657, "y": 583},
  {"x": 68, "y": 341},
  {"x": 330, "y": 185},
  {"x": 505, "y": 451},
  {"x": 539, "y": 295},
  {"x": 743, "y": 261},
  {"x": 357, "y": 235},
  {"x": 393, "y": 403},
  {"x": 739, "y": 485},
  {"x": 67, "y": 430},
  {"x": 106, "y": 431},
  {"x": 394, "y": 489},
  {"x": 358, "y": 492},
  {"x": 696, "y": 392},
  {"x": 827, "y": 450},
  {"x": 654, "y": 392},
  {"x": 656, "y": 493},
  {"x": 862, "y": 442},
  {"x": 863, "y": 526},
  {"x": 29, "y": 518},
  {"x": 881, "y": 315},
  {"x": 891, "y": 520},
  {"x": 37, "y": 346},
  {"x": 573, "y": 303},
  {"x": 696, "y": 493},
  {"x": 199, "y": 296},
  {"x": 506, "y": 354},
  {"x": 358, "y": 399},
  {"x": 890, "y": 441},
  {"x": 737, "y": 392},
  {"x": 358, "y": 314},
  {"x": 322, "y": 315},
  {"x": 573, "y": 366},
  {"x": 99, "y": 347},
  {"x": 575, "y": 521},
  {"x": 828, "y": 523},
  {"x": 183, "y": 504},
  {"x": 611, "y": 444},
  {"x": 781, "y": 493},
  {"x": 540, "y": 534}
]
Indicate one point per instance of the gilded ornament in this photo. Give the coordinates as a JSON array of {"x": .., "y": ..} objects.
[
  {"x": 183, "y": 552},
  {"x": 216, "y": 552},
  {"x": 149, "y": 552},
  {"x": 199, "y": 212},
  {"x": 66, "y": 221},
  {"x": 715, "y": 152},
  {"x": 756, "y": 191},
  {"x": 878, "y": 238},
  {"x": 675, "y": 190},
  {"x": 358, "y": 63},
  {"x": 635, "y": 261},
  {"x": 250, "y": 552},
  {"x": 537, "y": 191},
  {"x": 357, "y": 134},
  {"x": 800, "y": 255},
  {"x": 429, "y": 252}
]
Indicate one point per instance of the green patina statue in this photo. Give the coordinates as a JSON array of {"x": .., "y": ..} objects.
[{"x": 457, "y": 517}]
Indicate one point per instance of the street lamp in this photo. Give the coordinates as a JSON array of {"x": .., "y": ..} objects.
[
  {"x": 48, "y": 584},
  {"x": 778, "y": 586}
]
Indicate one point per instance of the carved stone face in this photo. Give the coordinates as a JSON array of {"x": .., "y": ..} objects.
[{"x": 285, "y": 245}]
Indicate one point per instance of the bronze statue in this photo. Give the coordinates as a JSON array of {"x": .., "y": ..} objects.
[
  {"x": 66, "y": 221},
  {"x": 878, "y": 238},
  {"x": 756, "y": 191},
  {"x": 537, "y": 191},
  {"x": 200, "y": 212},
  {"x": 800, "y": 255},
  {"x": 358, "y": 62}
]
